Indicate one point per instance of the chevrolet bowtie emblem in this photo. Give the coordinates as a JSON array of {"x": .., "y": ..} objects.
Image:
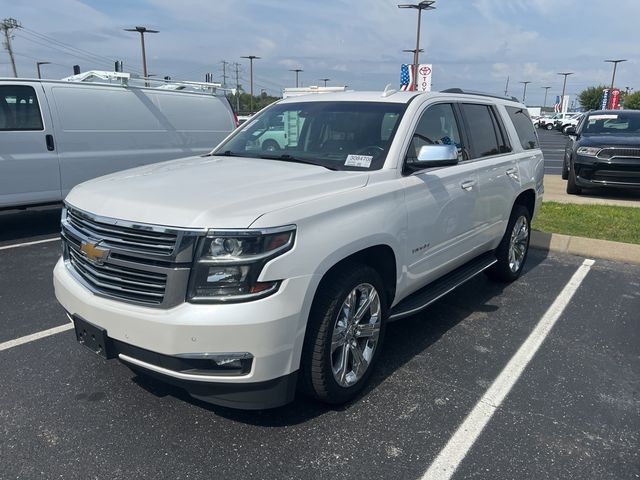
[{"x": 95, "y": 254}]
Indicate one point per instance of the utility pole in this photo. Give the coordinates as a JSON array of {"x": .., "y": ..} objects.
[
  {"x": 224, "y": 73},
  {"x": 297, "y": 70},
  {"x": 506, "y": 87},
  {"x": 237, "y": 65},
  {"x": 38, "y": 67},
  {"x": 564, "y": 88},
  {"x": 325, "y": 80},
  {"x": 546, "y": 90},
  {"x": 142, "y": 31},
  {"x": 8, "y": 25},
  {"x": 251, "y": 59},
  {"x": 615, "y": 64},
  {"x": 524, "y": 93},
  {"x": 424, "y": 5}
]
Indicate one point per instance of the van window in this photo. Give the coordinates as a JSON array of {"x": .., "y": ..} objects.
[
  {"x": 524, "y": 127},
  {"x": 19, "y": 108},
  {"x": 484, "y": 135}
]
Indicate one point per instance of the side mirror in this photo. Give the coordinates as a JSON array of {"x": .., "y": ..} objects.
[
  {"x": 436, "y": 156},
  {"x": 571, "y": 130}
]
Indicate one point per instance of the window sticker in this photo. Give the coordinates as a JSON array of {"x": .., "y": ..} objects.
[
  {"x": 603, "y": 116},
  {"x": 358, "y": 161}
]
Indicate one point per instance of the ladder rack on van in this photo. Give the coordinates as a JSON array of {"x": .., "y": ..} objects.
[{"x": 127, "y": 79}]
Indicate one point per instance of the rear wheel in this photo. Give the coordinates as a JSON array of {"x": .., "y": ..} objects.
[
  {"x": 514, "y": 247},
  {"x": 572, "y": 187},
  {"x": 270, "y": 146},
  {"x": 549, "y": 126},
  {"x": 344, "y": 334}
]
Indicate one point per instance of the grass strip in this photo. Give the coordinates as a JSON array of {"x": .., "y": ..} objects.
[{"x": 606, "y": 222}]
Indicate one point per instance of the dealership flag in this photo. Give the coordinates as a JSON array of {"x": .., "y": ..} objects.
[
  {"x": 406, "y": 77},
  {"x": 556, "y": 106}
]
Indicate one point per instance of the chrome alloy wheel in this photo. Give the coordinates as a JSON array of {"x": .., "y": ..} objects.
[
  {"x": 355, "y": 334},
  {"x": 518, "y": 243}
]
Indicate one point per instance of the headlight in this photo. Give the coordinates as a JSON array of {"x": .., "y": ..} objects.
[
  {"x": 228, "y": 264},
  {"x": 588, "y": 151}
]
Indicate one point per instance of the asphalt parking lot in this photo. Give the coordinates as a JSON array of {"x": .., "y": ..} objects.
[
  {"x": 552, "y": 143},
  {"x": 570, "y": 411}
]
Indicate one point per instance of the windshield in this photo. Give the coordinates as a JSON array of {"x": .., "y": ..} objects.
[
  {"x": 612, "y": 124},
  {"x": 336, "y": 135}
]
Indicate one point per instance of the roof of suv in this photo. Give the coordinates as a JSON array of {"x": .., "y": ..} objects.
[{"x": 396, "y": 97}]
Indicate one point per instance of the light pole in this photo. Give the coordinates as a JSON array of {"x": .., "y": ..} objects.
[
  {"x": 297, "y": 70},
  {"x": 546, "y": 90},
  {"x": 251, "y": 59},
  {"x": 615, "y": 64},
  {"x": 424, "y": 5},
  {"x": 564, "y": 87},
  {"x": 325, "y": 80},
  {"x": 524, "y": 92},
  {"x": 38, "y": 67},
  {"x": 142, "y": 31}
]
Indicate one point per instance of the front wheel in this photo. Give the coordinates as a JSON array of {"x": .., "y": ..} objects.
[
  {"x": 549, "y": 126},
  {"x": 572, "y": 186},
  {"x": 344, "y": 334},
  {"x": 514, "y": 247}
]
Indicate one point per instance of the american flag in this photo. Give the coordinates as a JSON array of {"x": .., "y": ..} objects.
[
  {"x": 557, "y": 106},
  {"x": 406, "y": 77}
]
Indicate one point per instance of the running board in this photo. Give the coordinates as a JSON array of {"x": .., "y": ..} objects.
[{"x": 424, "y": 297}]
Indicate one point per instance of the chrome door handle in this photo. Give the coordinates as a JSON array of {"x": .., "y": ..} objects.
[
  {"x": 513, "y": 173},
  {"x": 468, "y": 185}
]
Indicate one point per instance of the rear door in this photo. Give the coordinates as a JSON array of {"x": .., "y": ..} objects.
[
  {"x": 490, "y": 151},
  {"x": 29, "y": 168}
]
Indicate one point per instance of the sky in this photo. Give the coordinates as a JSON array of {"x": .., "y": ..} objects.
[{"x": 473, "y": 44}]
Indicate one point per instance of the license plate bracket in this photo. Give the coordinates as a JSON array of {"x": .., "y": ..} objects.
[{"x": 93, "y": 337}]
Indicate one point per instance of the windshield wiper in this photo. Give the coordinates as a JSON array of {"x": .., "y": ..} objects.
[{"x": 288, "y": 158}]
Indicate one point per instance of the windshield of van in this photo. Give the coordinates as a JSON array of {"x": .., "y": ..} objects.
[
  {"x": 612, "y": 124},
  {"x": 335, "y": 135}
]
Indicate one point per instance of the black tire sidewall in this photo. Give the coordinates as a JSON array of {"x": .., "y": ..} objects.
[
  {"x": 500, "y": 270},
  {"x": 316, "y": 365}
]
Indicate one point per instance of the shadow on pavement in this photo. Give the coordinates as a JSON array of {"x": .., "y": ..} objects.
[{"x": 29, "y": 224}]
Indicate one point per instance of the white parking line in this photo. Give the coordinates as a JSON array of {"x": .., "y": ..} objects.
[
  {"x": 450, "y": 457},
  {"x": 35, "y": 336},
  {"x": 26, "y": 244}
]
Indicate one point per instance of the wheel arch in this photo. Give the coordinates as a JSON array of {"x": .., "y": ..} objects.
[{"x": 527, "y": 199}]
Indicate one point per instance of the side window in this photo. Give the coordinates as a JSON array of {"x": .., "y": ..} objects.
[
  {"x": 437, "y": 125},
  {"x": 524, "y": 127},
  {"x": 19, "y": 108},
  {"x": 484, "y": 135}
]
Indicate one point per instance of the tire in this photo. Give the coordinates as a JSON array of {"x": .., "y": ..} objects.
[
  {"x": 549, "y": 126},
  {"x": 270, "y": 146},
  {"x": 321, "y": 373},
  {"x": 564, "y": 129},
  {"x": 517, "y": 237},
  {"x": 565, "y": 170},
  {"x": 572, "y": 187}
]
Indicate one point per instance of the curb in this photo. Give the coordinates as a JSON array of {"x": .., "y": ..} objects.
[{"x": 586, "y": 247}]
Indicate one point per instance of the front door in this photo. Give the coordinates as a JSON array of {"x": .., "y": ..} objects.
[{"x": 29, "y": 168}]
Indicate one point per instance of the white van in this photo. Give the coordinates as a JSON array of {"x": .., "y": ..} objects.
[{"x": 56, "y": 134}]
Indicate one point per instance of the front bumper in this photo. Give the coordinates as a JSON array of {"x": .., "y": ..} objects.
[
  {"x": 616, "y": 172},
  {"x": 150, "y": 339}
]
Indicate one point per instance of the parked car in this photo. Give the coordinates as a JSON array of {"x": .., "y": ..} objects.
[
  {"x": 603, "y": 151},
  {"x": 563, "y": 125},
  {"x": 549, "y": 123},
  {"x": 56, "y": 134},
  {"x": 244, "y": 275}
]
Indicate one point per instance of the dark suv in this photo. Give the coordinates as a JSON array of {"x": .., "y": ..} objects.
[{"x": 603, "y": 151}]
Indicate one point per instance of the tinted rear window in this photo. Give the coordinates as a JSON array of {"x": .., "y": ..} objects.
[
  {"x": 19, "y": 108},
  {"x": 524, "y": 127}
]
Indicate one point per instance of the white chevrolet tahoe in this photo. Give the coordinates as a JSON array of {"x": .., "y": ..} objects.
[{"x": 244, "y": 276}]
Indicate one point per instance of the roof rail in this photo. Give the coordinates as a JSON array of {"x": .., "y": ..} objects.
[
  {"x": 127, "y": 79},
  {"x": 482, "y": 94}
]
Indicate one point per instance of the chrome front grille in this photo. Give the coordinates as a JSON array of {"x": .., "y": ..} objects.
[
  {"x": 138, "y": 263},
  {"x": 125, "y": 283},
  {"x": 130, "y": 238}
]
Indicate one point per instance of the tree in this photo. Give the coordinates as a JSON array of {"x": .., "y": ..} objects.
[
  {"x": 632, "y": 101},
  {"x": 591, "y": 98}
]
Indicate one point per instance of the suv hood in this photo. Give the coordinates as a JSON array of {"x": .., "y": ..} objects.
[
  {"x": 209, "y": 192},
  {"x": 609, "y": 140}
]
